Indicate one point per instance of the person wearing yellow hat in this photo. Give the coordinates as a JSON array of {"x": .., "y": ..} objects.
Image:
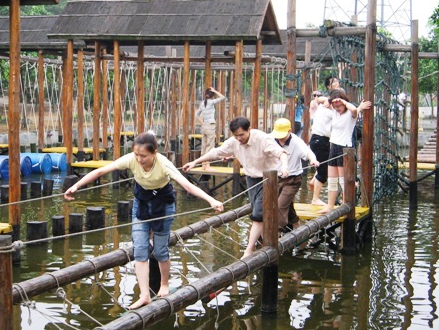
[{"x": 288, "y": 187}]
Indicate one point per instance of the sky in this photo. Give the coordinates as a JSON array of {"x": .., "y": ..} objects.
[{"x": 311, "y": 11}]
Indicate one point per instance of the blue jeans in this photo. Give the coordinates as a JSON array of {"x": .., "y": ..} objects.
[{"x": 140, "y": 233}]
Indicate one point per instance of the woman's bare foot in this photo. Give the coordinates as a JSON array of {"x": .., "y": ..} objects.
[
  {"x": 141, "y": 302},
  {"x": 164, "y": 291},
  {"x": 318, "y": 202}
]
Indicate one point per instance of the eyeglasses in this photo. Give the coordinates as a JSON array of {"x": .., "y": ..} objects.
[{"x": 317, "y": 95}]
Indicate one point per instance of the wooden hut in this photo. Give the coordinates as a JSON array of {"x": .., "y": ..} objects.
[{"x": 110, "y": 24}]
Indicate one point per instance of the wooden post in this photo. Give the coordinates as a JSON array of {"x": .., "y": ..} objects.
[
  {"x": 231, "y": 96},
  {"x": 75, "y": 222},
  {"x": 123, "y": 212},
  {"x": 58, "y": 225},
  {"x": 291, "y": 58},
  {"x": 239, "y": 49},
  {"x": 170, "y": 137},
  {"x": 117, "y": 106},
  {"x": 368, "y": 115},
  {"x": 414, "y": 117},
  {"x": 104, "y": 101},
  {"x": 80, "y": 101},
  {"x": 97, "y": 99},
  {"x": 256, "y": 82},
  {"x": 208, "y": 66},
  {"x": 221, "y": 126},
  {"x": 307, "y": 94},
  {"x": 35, "y": 189},
  {"x": 185, "y": 123},
  {"x": 41, "y": 133},
  {"x": 270, "y": 235},
  {"x": 14, "y": 210},
  {"x": 6, "y": 287},
  {"x": 139, "y": 126},
  {"x": 264, "y": 121},
  {"x": 348, "y": 225},
  {"x": 436, "y": 176},
  {"x": 48, "y": 187},
  {"x": 95, "y": 217},
  {"x": 36, "y": 230}
]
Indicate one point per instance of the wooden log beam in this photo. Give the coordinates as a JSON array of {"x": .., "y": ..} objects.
[
  {"x": 43, "y": 283},
  {"x": 297, "y": 236},
  {"x": 190, "y": 294},
  {"x": 96, "y": 100}
]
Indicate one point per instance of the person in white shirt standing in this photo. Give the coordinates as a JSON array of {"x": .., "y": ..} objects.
[
  {"x": 343, "y": 124},
  {"x": 206, "y": 112}
]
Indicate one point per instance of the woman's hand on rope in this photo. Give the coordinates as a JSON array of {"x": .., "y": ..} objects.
[
  {"x": 68, "y": 195},
  {"x": 188, "y": 166},
  {"x": 217, "y": 205}
]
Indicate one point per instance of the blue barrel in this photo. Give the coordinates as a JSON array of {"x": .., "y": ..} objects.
[
  {"x": 59, "y": 162},
  {"x": 4, "y": 167},
  {"x": 25, "y": 165},
  {"x": 41, "y": 163}
]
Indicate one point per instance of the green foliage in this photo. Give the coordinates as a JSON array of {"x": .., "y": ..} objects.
[{"x": 37, "y": 10}]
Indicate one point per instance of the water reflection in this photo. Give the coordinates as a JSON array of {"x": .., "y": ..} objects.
[{"x": 390, "y": 284}]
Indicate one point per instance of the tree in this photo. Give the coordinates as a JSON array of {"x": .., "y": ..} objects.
[{"x": 428, "y": 69}]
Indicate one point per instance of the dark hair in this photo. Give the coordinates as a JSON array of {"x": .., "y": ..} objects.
[
  {"x": 209, "y": 94},
  {"x": 329, "y": 80},
  {"x": 337, "y": 94},
  {"x": 239, "y": 122},
  {"x": 148, "y": 140}
]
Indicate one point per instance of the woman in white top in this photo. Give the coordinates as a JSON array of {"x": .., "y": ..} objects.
[
  {"x": 206, "y": 112},
  {"x": 343, "y": 124}
]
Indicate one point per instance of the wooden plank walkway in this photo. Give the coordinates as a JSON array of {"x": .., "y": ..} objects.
[
  {"x": 74, "y": 150},
  {"x": 310, "y": 212},
  {"x": 5, "y": 228},
  {"x": 420, "y": 166},
  {"x": 215, "y": 170},
  {"x": 91, "y": 164}
]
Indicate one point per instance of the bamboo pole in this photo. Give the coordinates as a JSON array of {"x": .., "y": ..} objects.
[
  {"x": 45, "y": 282},
  {"x": 96, "y": 99},
  {"x": 414, "y": 119},
  {"x": 139, "y": 125},
  {"x": 348, "y": 225},
  {"x": 256, "y": 83},
  {"x": 117, "y": 123},
  {"x": 14, "y": 211},
  {"x": 368, "y": 115},
  {"x": 41, "y": 133},
  {"x": 270, "y": 235}
]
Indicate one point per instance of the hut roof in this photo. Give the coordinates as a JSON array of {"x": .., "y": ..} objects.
[
  {"x": 30, "y": 2},
  {"x": 33, "y": 34},
  {"x": 319, "y": 49},
  {"x": 168, "y": 22}
]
